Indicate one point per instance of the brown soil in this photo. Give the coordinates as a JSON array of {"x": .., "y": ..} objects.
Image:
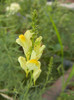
[{"x": 56, "y": 89}]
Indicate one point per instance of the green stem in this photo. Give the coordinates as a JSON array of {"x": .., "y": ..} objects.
[
  {"x": 29, "y": 85},
  {"x": 60, "y": 42}
]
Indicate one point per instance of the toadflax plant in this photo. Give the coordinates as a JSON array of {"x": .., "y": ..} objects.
[{"x": 33, "y": 52}]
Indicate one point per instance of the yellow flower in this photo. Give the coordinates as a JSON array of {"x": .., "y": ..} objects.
[
  {"x": 25, "y": 42},
  {"x": 27, "y": 66},
  {"x": 30, "y": 63},
  {"x": 33, "y": 64},
  {"x": 38, "y": 48}
]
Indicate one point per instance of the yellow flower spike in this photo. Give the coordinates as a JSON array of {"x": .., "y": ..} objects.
[
  {"x": 36, "y": 74},
  {"x": 31, "y": 62}
]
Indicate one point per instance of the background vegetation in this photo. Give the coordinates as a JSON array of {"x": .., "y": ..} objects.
[{"x": 12, "y": 77}]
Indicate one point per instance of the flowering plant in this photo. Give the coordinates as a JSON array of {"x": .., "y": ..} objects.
[{"x": 33, "y": 53}]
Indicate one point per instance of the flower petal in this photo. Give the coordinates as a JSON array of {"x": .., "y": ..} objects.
[
  {"x": 33, "y": 55},
  {"x": 40, "y": 51},
  {"x": 38, "y": 48},
  {"x": 18, "y": 41},
  {"x": 28, "y": 34},
  {"x": 36, "y": 74},
  {"x": 22, "y": 62}
]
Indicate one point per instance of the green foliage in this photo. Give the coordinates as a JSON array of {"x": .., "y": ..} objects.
[
  {"x": 69, "y": 77},
  {"x": 66, "y": 96}
]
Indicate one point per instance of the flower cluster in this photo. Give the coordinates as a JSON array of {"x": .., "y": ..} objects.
[
  {"x": 13, "y": 8},
  {"x": 33, "y": 53}
]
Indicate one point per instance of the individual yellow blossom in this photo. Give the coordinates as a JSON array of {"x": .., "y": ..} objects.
[
  {"x": 38, "y": 48},
  {"x": 27, "y": 66},
  {"x": 25, "y": 42}
]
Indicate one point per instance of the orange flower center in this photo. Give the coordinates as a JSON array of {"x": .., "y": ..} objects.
[
  {"x": 34, "y": 61},
  {"x": 22, "y": 37}
]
